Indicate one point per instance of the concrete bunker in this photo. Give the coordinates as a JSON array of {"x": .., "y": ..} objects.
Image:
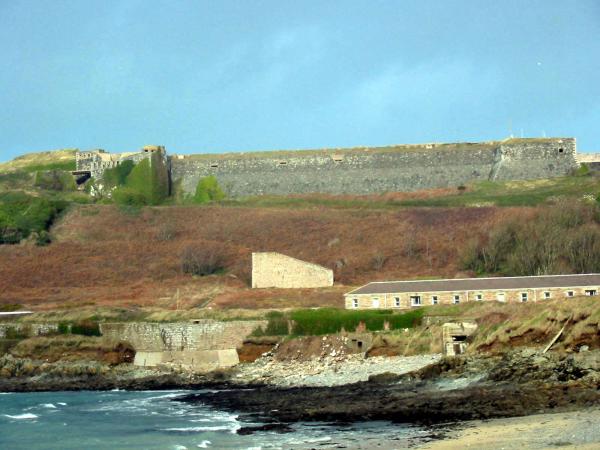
[{"x": 455, "y": 336}]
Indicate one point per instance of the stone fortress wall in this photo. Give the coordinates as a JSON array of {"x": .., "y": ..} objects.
[
  {"x": 371, "y": 170},
  {"x": 97, "y": 161},
  {"x": 377, "y": 170}
]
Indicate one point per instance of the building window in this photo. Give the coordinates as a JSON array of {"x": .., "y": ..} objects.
[
  {"x": 547, "y": 294},
  {"x": 355, "y": 303},
  {"x": 570, "y": 293},
  {"x": 415, "y": 300},
  {"x": 456, "y": 299},
  {"x": 397, "y": 301},
  {"x": 523, "y": 296},
  {"x": 561, "y": 150},
  {"x": 478, "y": 297},
  {"x": 501, "y": 297},
  {"x": 375, "y": 303},
  {"x": 434, "y": 299},
  {"x": 214, "y": 165},
  {"x": 591, "y": 292},
  {"x": 282, "y": 163}
]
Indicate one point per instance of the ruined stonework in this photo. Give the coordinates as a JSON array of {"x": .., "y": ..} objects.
[
  {"x": 95, "y": 162},
  {"x": 271, "y": 269},
  {"x": 371, "y": 170},
  {"x": 203, "y": 345}
]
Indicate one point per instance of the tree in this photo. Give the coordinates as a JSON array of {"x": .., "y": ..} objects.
[{"x": 208, "y": 190}]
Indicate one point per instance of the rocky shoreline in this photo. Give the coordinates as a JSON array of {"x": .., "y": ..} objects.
[
  {"x": 456, "y": 389},
  {"x": 419, "y": 390}
]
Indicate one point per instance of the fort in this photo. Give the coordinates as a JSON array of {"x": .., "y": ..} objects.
[{"x": 359, "y": 170}]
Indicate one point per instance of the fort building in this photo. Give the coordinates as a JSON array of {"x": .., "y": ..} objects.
[
  {"x": 358, "y": 170},
  {"x": 414, "y": 294},
  {"x": 270, "y": 269}
]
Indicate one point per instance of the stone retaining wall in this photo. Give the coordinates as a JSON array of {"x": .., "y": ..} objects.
[
  {"x": 179, "y": 336},
  {"x": 376, "y": 170}
]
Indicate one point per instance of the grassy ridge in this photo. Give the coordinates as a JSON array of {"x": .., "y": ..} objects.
[{"x": 485, "y": 193}]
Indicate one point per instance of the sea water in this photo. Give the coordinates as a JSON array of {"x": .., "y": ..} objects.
[{"x": 152, "y": 420}]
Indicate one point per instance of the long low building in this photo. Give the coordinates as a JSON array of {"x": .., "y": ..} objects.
[{"x": 410, "y": 294}]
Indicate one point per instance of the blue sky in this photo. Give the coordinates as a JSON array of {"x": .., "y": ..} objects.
[{"x": 213, "y": 76}]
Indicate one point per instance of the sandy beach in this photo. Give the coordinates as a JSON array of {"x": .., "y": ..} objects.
[{"x": 577, "y": 430}]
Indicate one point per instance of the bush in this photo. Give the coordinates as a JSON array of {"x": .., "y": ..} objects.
[
  {"x": 126, "y": 196},
  {"x": 330, "y": 320},
  {"x": 10, "y": 307},
  {"x": 86, "y": 328},
  {"x": 208, "y": 190},
  {"x": 55, "y": 180},
  {"x": 22, "y": 214},
  {"x": 203, "y": 259},
  {"x": 560, "y": 239},
  {"x": 147, "y": 183},
  {"x": 277, "y": 325},
  {"x": 64, "y": 328},
  {"x": 117, "y": 176}
]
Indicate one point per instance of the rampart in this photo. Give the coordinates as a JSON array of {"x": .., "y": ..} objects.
[
  {"x": 360, "y": 170},
  {"x": 367, "y": 170}
]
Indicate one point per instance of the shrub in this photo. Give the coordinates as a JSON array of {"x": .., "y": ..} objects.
[
  {"x": 86, "y": 328},
  {"x": 126, "y": 196},
  {"x": 55, "y": 180},
  {"x": 208, "y": 190},
  {"x": 167, "y": 232},
  {"x": 10, "y": 307},
  {"x": 146, "y": 184},
  {"x": 21, "y": 214},
  {"x": 560, "y": 239},
  {"x": 331, "y": 320},
  {"x": 277, "y": 325},
  {"x": 203, "y": 259},
  {"x": 117, "y": 176},
  {"x": 64, "y": 328},
  {"x": 582, "y": 171}
]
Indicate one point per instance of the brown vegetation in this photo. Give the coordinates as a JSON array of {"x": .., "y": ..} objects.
[{"x": 102, "y": 255}]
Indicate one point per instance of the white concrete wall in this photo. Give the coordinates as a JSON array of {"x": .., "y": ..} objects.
[{"x": 270, "y": 269}]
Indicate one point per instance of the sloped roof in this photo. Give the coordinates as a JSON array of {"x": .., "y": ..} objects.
[{"x": 479, "y": 284}]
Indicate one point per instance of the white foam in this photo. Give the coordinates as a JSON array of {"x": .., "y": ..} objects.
[
  {"x": 48, "y": 405},
  {"x": 61, "y": 403},
  {"x": 204, "y": 444},
  {"x": 26, "y": 416},
  {"x": 198, "y": 429}
]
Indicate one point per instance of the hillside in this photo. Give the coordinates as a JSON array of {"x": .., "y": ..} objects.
[
  {"x": 20, "y": 172},
  {"x": 107, "y": 255}
]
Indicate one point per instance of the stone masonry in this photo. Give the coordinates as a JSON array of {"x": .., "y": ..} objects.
[
  {"x": 202, "y": 345},
  {"x": 360, "y": 170},
  {"x": 369, "y": 170},
  {"x": 270, "y": 269}
]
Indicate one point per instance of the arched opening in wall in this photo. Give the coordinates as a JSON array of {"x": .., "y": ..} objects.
[
  {"x": 82, "y": 176},
  {"x": 561, "y": 150}
]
